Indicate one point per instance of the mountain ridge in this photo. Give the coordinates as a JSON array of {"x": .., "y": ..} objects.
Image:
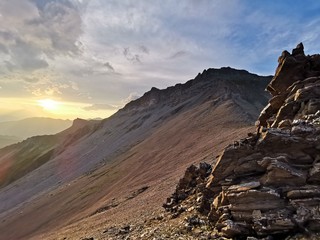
[
  {"x": 210, "y": 74},
  {"x": 126, "y": 150}
]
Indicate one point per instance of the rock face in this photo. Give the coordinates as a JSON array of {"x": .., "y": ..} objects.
[{"x": 268, "y": 184}]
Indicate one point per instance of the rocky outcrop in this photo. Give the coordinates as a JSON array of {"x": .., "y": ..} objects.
[{"x": 267, "y": 185}]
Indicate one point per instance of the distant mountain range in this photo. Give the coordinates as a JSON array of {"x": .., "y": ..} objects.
[
  {"x": 93, "y": 166},
  {"x": 15, "y": 131}
]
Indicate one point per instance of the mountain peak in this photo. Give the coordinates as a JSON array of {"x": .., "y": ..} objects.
[{"x": 211, "y": 79}]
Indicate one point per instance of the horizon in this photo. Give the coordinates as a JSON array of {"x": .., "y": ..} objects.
[{"x": 70, "y": 59}]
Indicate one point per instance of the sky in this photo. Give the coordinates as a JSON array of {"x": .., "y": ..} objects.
[{"x": 88, "y": 58}]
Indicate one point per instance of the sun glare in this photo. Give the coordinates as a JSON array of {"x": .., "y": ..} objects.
[{"x": 48, "y": 104}]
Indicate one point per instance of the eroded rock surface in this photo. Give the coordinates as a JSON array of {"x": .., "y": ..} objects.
[{"x": 267, "y": 185}]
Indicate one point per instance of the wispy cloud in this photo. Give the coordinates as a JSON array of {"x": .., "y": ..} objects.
[{"x": 100, "y": 106}]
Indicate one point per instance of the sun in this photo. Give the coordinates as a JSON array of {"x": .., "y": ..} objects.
[{"x": 48, "y": 104}]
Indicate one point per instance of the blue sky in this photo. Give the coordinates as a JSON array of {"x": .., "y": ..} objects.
[{"x": 96, "y": 55}]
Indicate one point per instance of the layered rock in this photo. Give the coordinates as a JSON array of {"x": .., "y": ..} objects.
[{"x": 268, "y": 184}]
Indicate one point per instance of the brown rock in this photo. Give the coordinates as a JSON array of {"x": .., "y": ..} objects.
[
  {"x": 244, "y": 186},
  {"x": 277, "y": 101},
  {"x": 282, "y": 174},
  {"x": 303, "y": 193},
  {"x": 232, "y": 229},
  {"x": 285, "y": 124},
  {"x": 298, "y": 50},
  {"x": 264, "y": 199}
]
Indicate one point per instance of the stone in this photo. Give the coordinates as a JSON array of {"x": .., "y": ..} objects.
[
  {"x": 220, "y": 200},
  {"x": 124, "y": 230},
  {"x": 264, "y": 199},
  {"x": 244, "y": 186},
  {"x": 314, "y": 174},
  {"x": 282, "y": 174},
  {"x": 287, "y": 111},
  {"x": 277, "y": 101},
  {"x": 232, "y": 229},
  {"x": 312, "y": 106},
  {"x": 298, "y": 50},
  {"x": 286, "y": 123},
  {"x": 303, "y": 193}
]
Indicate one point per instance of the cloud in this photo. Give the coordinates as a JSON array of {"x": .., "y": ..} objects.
[
  {"x": 178, "y": 54},
  {"x": 131, "y": 57},
  {"x": 144, "y": 49},
  {"x": 31, "y": 79},
  {"x": 38, "y": 30},
  {"x": 132, "y": 96},
  {"x": 100, "y": 106},
  {"x": 108, "y": 66}
]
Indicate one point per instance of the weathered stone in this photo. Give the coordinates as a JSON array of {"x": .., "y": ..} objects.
[
  {"x": 269, "y": 225},
  {"x": 310, "y": 202},
  {"x": 277, "y": 101},
  {"x": 241, "y": 216},
  {"x": 298, "y": 50},
  {"x": 310, "y": 92},
  {"x": 264, "y": 199},
  {"x": 286, "y": 123},
  {"x": 281, "y": 174},
  {"x": 248, "y": 168},
  {"x": 244, "y": 186},
  {"x": 232, "y": 229},
  {"x": 265, "y": 114},
  {"x": 220, "y": 200},
  {"x": 287, "y": 111},
  {"x": 303, "y": 193},
  {"x": 314, "y": 174},
  {"x": 289, "y": 70}
]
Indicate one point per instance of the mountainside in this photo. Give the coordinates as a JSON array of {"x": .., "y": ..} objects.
[
  {"x": 29, "y": 127},
  {"x": 110, "y": 167}
]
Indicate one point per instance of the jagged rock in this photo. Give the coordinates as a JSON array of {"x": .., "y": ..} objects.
[
  {"x": 193, "y": 177},
  {"x": 264, "y": 199},
  {"x": 244, "y": 186},
  {"x": 124, "y": 230},
  {"x": 281, "y": 174},
  {"x": 314, "y": 174},
  {"x": 232, "y": 229},
  {"x": 312, "y": 191},
  {"x": 298, "y": 50}
]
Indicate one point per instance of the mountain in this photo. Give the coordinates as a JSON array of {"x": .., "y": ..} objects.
[
  {"x": 98, "y": 173},
  {"x": 29, "y": 127}
]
